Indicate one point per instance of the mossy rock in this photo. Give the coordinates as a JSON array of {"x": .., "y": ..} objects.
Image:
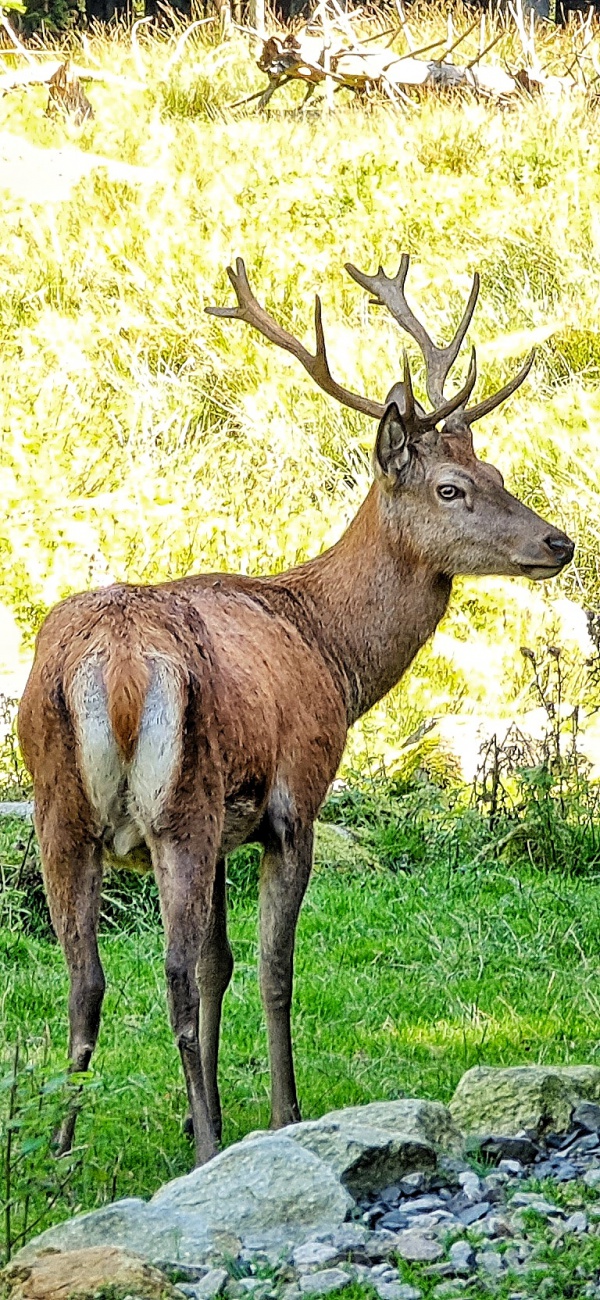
[{"x": 533, "y": 1097}]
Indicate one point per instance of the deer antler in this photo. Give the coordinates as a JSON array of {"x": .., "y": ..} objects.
[
  {"x": 250, "y": 310},
  {"x": 388, "y": 291}
]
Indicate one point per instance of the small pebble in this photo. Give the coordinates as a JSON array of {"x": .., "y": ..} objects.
[
  {"x": 325, "y": 1281},
  {"x": 396, "y": 1291},
  {"x": 563, "y": 1171},
  {"x": 490, "y": 1262},
  {"x": 495, "y": 1225},
  {"x": 349, "y": 1237},
  {"x": 473, "y": 1212},
  {"x": 429, "y": 1202},
  {"x": 314, "y": 1254},
  {"x": 427, "y": 1222},
  {"x": 587, "y": 1115},
  {"x": 462, "y": 1255},
  {"x": 592, "y": 1178},
  {"x": 394, "y": 1220},
  {"x": 471, "y": 1186},
  {"x": 211, "y": 1284},
  {"x": 576, "y": 1223},
  {"x": 533, "y": 1201},
  {"x": 417, "y": 1248},
  {"x": 402, "y": 1291},
  {"x": 412, "y": 1183},
  {"x": 513, "y": 1167}
]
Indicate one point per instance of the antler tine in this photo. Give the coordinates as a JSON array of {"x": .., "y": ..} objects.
[
  {"x": 489, "y": 403},
  {"x": 317, "y": 366},
  {"x": 388, "y": 291},
  {"x": 432, "y": 418},
  {"x": 409, "y": 396}
]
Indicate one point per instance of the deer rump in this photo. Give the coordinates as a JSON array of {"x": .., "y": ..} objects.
[{"x": 172, "y": 708}]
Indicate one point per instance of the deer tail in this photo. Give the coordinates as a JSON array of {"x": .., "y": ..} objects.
[{"x": 126, "y": 679}]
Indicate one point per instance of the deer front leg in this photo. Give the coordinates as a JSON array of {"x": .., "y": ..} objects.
[
  {"x": 185, "y": 880},
  {"x": 285, "y": 873},
  {"x": 72, "y": 871}
]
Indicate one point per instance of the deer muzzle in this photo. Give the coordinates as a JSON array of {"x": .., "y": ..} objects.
[{"x": 548, "y": 557}]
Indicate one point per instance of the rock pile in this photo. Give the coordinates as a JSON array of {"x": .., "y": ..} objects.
[{"x": 401, "y": 1197}]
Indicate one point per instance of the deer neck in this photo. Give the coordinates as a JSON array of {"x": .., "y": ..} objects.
[{"x": 371, "y": 603}]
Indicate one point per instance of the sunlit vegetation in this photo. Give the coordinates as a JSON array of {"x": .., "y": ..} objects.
[{"x": 143, "y": 439}]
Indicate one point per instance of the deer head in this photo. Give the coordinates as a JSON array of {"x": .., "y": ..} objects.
[{"x": 436, "y": 497}]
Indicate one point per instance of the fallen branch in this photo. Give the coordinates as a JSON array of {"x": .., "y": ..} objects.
[{"x": 315, "y": 59}]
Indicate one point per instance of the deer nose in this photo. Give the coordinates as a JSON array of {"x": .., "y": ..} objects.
[{"x": 561, "y": 546}]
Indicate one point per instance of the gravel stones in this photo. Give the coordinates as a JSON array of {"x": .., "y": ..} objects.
[
  {"x": 497, "y": 1147},
  {"x": 533, "y": 1097},
  {"x": 472, "y": 1213},
  {"x": 396, "y": 1291}
]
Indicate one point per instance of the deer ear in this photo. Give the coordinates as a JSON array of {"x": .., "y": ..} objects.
[{"x": 392, "y": 447}]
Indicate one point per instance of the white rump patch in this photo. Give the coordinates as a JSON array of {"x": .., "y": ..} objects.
[
  {"x": 102, "y": 767},
  {"x": 156, "y": 763},
  {"x": 127, "y": 798}
]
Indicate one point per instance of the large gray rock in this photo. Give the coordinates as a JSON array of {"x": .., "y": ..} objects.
[
  {"x": 132, "y": 1225},
  {"x": 408, "y": 1117},
  {"x": 536, "y": 1097},
  {"x": 365, "y": 1159},
  {"x": 268, "y": 1191}
]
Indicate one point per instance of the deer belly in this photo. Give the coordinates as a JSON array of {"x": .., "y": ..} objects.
[{"x": 242, "y": 816}]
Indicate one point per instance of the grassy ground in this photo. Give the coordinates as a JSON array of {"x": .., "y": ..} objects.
[{"x": 417, "y": 958}]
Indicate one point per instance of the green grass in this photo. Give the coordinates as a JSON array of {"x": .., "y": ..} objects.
[{"x": 404, "y": 979}]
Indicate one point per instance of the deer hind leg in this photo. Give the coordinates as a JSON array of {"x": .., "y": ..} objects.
[
  {"x": 72, "y": 868},
  {"x": 285, "y": 873},
  {"x": 185, "y": 871},
  {"x": 215, "y": 968}
]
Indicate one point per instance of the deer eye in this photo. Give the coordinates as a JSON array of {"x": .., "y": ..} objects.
[{"x": 449, "y": 492}]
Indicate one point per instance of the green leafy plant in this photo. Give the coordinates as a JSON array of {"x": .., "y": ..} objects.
[{"x": 33, "y": 1101}]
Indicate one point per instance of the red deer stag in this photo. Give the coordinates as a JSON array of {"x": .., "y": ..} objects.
[{"x": 181, "y": 720}]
